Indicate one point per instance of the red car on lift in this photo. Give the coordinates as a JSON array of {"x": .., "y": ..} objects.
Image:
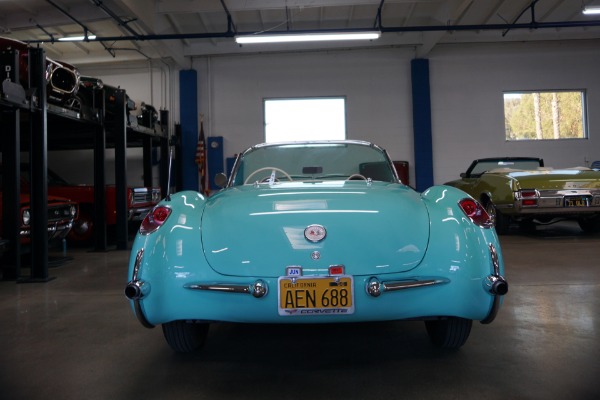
[
  {"x": 140, "y": 200},
  {"x": 61, "y": 213}
]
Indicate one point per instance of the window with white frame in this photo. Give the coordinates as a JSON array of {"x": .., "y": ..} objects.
[{"x": 297, "y": 119}]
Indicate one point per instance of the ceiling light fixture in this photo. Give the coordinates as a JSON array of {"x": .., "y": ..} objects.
[
  {"x": 77, "y": 38},
  {"x": 306, "y": 37},
  {"x": 591, "y": 10}
]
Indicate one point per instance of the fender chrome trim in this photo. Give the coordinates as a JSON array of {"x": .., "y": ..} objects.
[
  {"x": 375, "y": 288},
  {"x": 257, "y": 289}
]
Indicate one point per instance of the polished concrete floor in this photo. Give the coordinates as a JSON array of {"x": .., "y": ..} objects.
[{"x": 75, "y": 337}]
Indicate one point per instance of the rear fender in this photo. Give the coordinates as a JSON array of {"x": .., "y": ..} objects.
[
  {"x": 458, "y": 248},
  {"x": 173, "y": 253}
]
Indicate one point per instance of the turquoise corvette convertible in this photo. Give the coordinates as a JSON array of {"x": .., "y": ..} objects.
[{"x": 316, "y": 232}]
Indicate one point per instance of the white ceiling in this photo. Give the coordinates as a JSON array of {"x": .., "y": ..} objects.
[{"x": 179, "y": 29}]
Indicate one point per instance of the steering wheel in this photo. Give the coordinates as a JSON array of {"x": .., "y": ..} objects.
[
  {"x": 355, "y": 177},
  {"x": 266, "y": 169}
]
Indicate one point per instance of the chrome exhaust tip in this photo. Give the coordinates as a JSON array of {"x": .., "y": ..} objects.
[
  {"x": 496, "y": 285},
  {"x": 136, "y": 290}
]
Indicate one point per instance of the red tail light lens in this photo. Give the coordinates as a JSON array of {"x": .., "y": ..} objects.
[
  {"x": 529, "y": 198},
  {"x": 155, "y": 219},
  {"x": 475, "y": 211}
]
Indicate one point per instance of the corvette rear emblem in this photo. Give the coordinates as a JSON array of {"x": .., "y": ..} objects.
[{"x": 315, "y": 233}]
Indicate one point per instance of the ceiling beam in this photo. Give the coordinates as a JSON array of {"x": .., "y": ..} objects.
[{"x": 146, "y": 19}]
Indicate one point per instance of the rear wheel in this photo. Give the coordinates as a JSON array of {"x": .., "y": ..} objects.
[
  {"x": 449, "y": 333},
  {"x": 185, "y": 337},
  {"x": 590, "y": 224},
  {"x": 501, "y": 221}
]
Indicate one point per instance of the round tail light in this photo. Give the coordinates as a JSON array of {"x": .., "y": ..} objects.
[{"x": 154, "y": 219}]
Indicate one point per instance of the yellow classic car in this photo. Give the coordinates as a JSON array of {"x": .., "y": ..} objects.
[{"x": 523, "y": 191}]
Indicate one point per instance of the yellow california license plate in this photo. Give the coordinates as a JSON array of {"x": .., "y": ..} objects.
[
  {"x": 578, "y": 201},
  {"x": 329, "y": 295}
]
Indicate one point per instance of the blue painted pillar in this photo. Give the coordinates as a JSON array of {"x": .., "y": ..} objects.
[
  {"x": 188, "y": 114},
  {"x": 422, "y": 124}
]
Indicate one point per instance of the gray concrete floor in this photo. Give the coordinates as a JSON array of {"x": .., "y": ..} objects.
[{"x": 75, "y": 338}]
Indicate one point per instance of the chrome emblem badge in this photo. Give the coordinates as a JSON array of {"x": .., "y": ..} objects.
[
  {"x": 315, "y": 233},
  {"x": 315, "y": 255}
]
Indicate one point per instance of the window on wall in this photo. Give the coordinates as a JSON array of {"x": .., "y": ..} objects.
[
  {"x": 322, "y": 118},
  {"x": 545, "y": 115}
]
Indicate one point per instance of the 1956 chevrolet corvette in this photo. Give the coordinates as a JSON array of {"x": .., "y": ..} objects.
[{"x": 316, "y": 232}]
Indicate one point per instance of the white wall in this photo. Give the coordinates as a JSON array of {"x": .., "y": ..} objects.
[
  {"x": 376, "y": 84},
  {"x": 467, "y": 85},
  {"x": 467, "y": 82}
]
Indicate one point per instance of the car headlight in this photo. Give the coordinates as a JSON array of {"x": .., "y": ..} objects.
[{"x": 26, "y": 217}]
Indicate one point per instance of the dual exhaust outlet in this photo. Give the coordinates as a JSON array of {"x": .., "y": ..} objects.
[{"x": 136, "y": 290}]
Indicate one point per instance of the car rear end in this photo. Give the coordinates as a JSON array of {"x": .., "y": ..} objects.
[
  {"x": 141, "y": 201},
  {"x": 555, "y": 193}
]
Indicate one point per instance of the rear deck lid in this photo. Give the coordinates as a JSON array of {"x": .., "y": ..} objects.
[{"x": 369, "y": 229}]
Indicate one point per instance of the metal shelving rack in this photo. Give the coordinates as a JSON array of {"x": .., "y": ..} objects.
[{"x": 25, "y": 110}]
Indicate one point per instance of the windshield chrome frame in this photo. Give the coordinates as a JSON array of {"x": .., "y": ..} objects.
[{"x": 236, "y": 164}]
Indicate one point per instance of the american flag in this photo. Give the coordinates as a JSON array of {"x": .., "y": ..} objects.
[{"x": 201, "y": 160}]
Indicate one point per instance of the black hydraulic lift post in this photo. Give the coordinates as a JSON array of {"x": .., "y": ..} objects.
[
  {"x": 38, "y": 161},
  {"x": 11, "y": 160},
  {"x": 147, "y": 160},
  {"x": 100, "y": 177},
  {"x": 178, "y": 157},
  {"x": 164, "y": 153},
  {"x": 120, "y": 134}
]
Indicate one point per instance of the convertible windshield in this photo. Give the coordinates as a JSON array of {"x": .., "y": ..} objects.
[
  {"x": 489, "y": 165},
  {"x": 313, "y": 161}
]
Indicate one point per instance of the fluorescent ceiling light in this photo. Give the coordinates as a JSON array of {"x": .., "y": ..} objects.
[
  {"x": 306, "y": 37},
  {"x": 589, "y": 10},
  {"x": 77, "y": 38}
]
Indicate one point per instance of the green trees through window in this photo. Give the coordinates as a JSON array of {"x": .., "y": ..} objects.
[{"x": 544, "y": 115}]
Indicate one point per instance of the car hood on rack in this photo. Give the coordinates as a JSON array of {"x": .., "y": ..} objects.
[{"x": 260, "y": 230}]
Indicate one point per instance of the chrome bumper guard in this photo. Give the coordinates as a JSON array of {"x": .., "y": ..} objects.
[
  {"x": 495, "y": 284},
  {"x": 137, "y": 289}
]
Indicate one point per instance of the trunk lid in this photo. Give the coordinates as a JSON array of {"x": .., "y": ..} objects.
[
  {"x": 557, "y": 179},
  {"x": 370, "y": 229}
]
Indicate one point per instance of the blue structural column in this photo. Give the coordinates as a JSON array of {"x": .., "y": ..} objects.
[
  {"x": 422, "y": 124},
  {"x": 188, "y": 109}
]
